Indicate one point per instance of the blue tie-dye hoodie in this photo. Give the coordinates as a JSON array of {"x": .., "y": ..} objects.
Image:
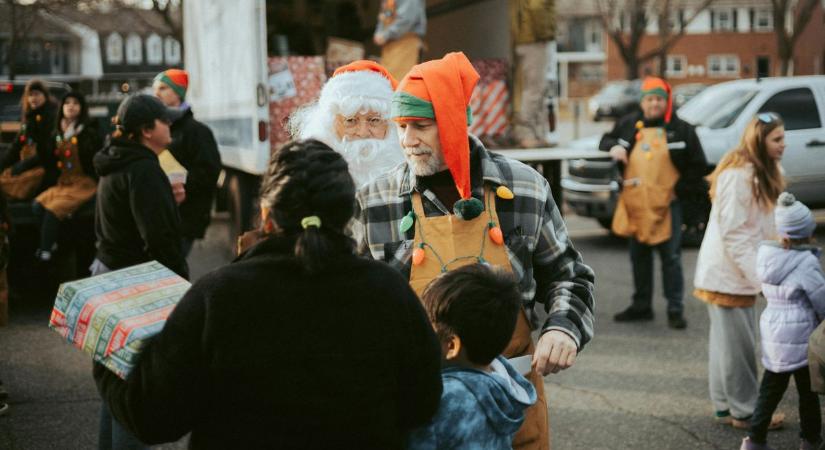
[{"x": 478, "y": 410}]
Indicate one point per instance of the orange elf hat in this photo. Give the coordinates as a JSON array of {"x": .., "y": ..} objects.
[
  {"x": 441, "y": 90},
  {"x": 660, "y": 87}
]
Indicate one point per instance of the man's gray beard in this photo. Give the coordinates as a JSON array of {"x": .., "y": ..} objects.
[
  {"x": 369, "y": 158},
  {"x": 433, "y": 165}
]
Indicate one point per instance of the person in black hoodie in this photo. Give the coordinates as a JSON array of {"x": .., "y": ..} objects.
[
  {"x": 75, "y": 144},
  {"x": 194, "y": 146},
  {"x": 136, "y": 218},
  {"x": 28, "y": 167},
  {"x": 298, "y": 343}
]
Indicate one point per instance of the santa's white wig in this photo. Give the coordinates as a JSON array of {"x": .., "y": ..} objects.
[{"x": 348, "y": 94}]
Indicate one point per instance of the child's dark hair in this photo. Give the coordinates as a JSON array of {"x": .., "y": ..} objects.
[
  {"x": 307, "y": 179},
  {"x": 82, "y": 118},
  {"x": 478, "y": 304}
]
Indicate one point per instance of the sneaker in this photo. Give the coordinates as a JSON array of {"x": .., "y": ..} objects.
[
  {"x": 748, "y": 444},
  {"x": 43, "y": 255},
  {"x": 777, "y": 422},
  {"x": 634, "y": 315},
  {"x": 676, "y": 321},
  {"x": 4, "y": 408},
  {"x": 723, "y": 417}
]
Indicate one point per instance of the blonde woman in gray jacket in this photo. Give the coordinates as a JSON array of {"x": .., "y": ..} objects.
[{"x": 744, "y": 188}]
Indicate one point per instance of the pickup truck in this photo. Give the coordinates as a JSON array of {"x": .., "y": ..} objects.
[{"x": 720, "y": 114}]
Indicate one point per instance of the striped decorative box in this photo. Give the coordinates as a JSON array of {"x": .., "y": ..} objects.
[{"x": 111, "y": 316}]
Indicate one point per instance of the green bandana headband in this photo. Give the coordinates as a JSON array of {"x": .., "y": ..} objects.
[
  {"x": 406, "y": 105},
  {"x": 661, "y": 92}
]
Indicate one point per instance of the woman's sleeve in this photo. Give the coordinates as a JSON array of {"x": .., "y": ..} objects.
[
  {"x": 160, "y": 400},
  {"x": 734, "y": 198}
]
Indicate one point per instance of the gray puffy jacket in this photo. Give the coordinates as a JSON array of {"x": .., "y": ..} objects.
[{"x": 794, "y": 285}]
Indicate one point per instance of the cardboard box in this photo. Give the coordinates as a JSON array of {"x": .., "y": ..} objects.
[{"x": 112, "y": 316}]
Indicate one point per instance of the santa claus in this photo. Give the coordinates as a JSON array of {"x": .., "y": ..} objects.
[{"x": 352, "y": 116}]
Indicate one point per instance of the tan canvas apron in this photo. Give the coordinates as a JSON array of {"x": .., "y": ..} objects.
[
  {"x": 453, "y": 237},
  {"x": 643, "y": 209},
  {"x": 24, "y": 185},
  {"x": 400, "y": 55},
  {"x": 73, "y": 188}
]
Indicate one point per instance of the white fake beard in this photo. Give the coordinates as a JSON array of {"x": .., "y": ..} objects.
[
  {"x": 369, "y": 158},
  {"x": 434, "y": 164}
]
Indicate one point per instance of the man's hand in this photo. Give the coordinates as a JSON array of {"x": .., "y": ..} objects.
[
  {"x": 379, "y": 40},
  {"x": 555, "y": 352},
  {"x": 179, "y": 191},
  {"x": 618, "y": 153}
]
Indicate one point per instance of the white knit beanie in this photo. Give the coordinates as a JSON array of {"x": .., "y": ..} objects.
[{"x": 793, "y": 219}]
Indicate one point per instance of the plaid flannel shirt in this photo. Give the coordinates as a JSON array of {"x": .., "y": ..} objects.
[{"x": 557, "y": 287}]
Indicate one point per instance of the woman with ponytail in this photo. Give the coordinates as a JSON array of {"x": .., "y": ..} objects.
[
  {"x": 298, "y": 343},
  {"x": 744, "y": 189}
]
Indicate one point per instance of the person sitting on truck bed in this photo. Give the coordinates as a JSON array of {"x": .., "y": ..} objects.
[
  {"x": 352, "y": 116},
  {"x": 75, "y": 143},
  {"x": 662, "y": 164},
  {"x": 28, "y": 166},
  {"x": 194, "y": 146}
]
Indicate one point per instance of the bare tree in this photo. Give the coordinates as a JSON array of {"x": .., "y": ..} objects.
[
  {"x": 626, "y": 21},
  {"x": 671, "y": 24},
  {"x": 21, "y": 20},
  {"x": 786, "y": 39},
  {"x": 172, "y": 14}
]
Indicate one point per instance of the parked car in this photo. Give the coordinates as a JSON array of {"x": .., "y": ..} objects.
[
  {"x": 684, "y": 92},
  {"x": 616, "y": 99},
  {"x": 720, "y": 114}
]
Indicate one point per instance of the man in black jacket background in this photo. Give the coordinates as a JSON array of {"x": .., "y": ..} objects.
[
  {"x": 688, "y": 158},
  {"x": 194, "y": 146}
]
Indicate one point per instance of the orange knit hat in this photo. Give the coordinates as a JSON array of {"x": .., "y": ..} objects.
[
  {"x": 441, "y": 90},
  {"x": 660, "y": 87}
]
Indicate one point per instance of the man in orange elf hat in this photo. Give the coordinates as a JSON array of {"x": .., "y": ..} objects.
[
  {"x": 352, "y": 115},
  {"x": 663, "y": 166},
  {"x": 455, "y": 203}
]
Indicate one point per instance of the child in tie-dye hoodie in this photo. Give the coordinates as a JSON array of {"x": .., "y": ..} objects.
[{"x": 474, "y": 310}]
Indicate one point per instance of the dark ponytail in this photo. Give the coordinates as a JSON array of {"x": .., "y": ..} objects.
[{"x": 310, "y": 196}]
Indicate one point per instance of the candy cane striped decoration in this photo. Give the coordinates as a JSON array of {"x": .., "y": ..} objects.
[{"x": 489, "y": 104}]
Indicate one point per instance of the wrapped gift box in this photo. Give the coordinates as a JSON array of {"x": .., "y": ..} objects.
[
  {"x": 490, "y": 102},
  {"x": 294, "y": 81},
  {"x": 111, "y": 316}
]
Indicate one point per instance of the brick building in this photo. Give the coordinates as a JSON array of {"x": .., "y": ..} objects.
[{"x": 731, "y": 39}]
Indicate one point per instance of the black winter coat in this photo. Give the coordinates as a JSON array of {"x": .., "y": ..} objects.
[
  {"x": 42, "y": 133},
  {"x": 136, "y": 218},
  {"x": 261, "y": 354},
  {"x": 194, "y": 146},
  {"x": 689, "y": 159}
]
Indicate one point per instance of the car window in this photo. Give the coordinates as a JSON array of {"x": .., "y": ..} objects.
[
  {"x": 716, "y": 106},
  {"x": 797, "y": 108}
]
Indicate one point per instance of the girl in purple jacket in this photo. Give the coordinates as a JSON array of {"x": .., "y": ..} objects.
[{"x": 794, "y": 285}]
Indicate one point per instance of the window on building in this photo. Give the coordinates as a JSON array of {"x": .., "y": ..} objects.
[
  {"x": 35, "y": 53},
  {"x": 154, "y": 49},
  {"x": 171, "y": 50},
  {"x": 134, "y": 49},
  {"x": 114, "y": 49},
  {"x": 723, "y": 65},
  {"x": 763, "y": 20},
  {"x": 797, "y": 108},
  {"x": 724, "y": 20},
  {"x": 676, "y": 65}
]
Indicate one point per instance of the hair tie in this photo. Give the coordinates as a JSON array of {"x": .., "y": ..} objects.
[{"x": 311, "y": 221}]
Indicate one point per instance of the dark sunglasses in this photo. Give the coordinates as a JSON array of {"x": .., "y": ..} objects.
[{"x": 767, "y": 117}]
